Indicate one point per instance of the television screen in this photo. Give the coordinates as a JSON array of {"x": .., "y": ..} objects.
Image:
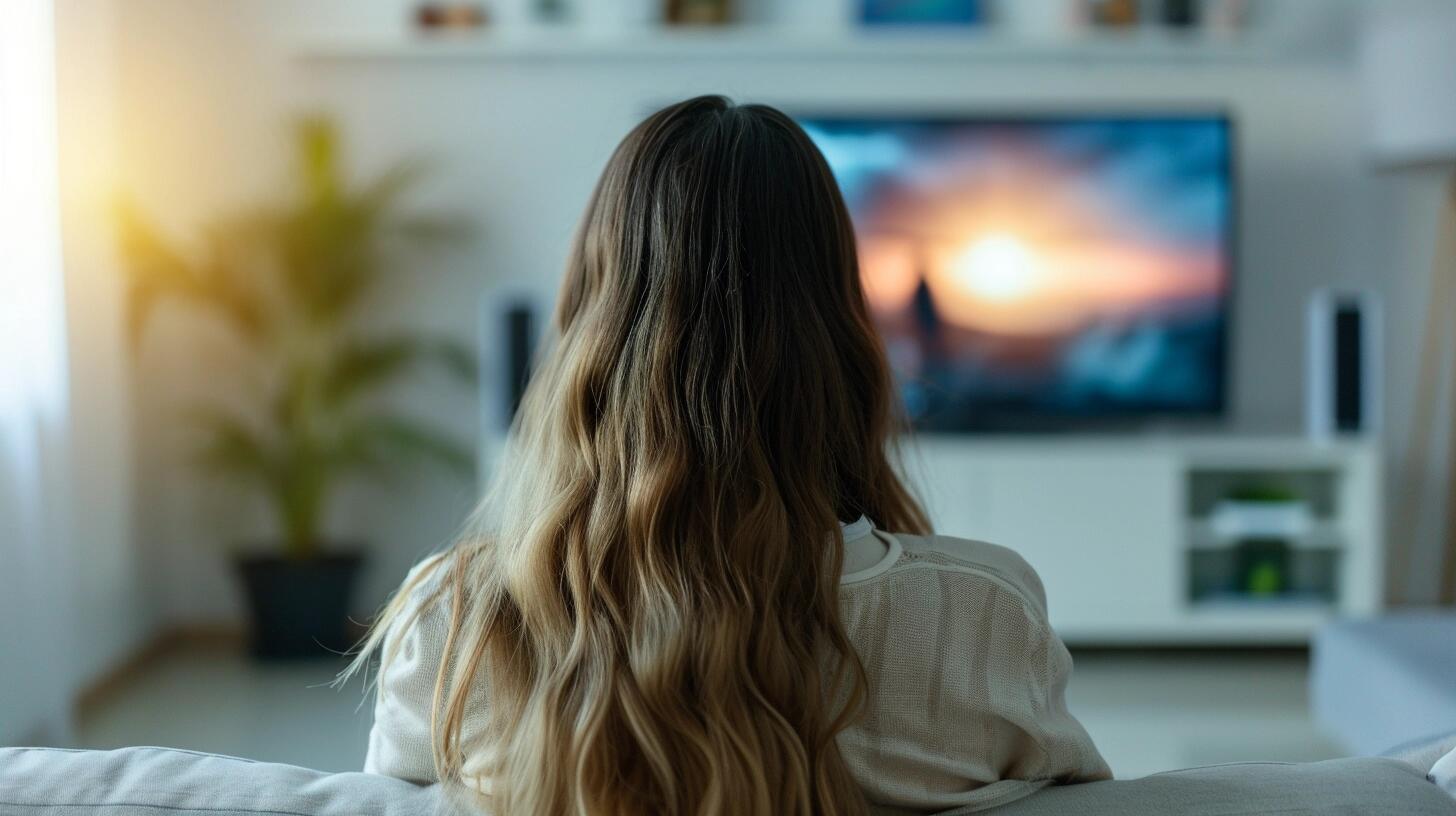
[{"x": 1033, "y": 271}]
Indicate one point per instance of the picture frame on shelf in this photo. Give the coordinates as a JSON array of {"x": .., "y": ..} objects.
[
  {"x": 699, "y": 12},
  {"x": 971, "y": 13}
]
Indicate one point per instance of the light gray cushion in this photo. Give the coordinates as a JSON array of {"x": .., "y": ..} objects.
[
  {"x": 1339, "y": 786},
  {"x": 1375, "y": 683},
  {"x": 1424, "y": 753},
  {"x": 153, "y": 781}
]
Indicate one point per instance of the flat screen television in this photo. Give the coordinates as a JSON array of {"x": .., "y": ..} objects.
[{"x": 1048, "y": 271}]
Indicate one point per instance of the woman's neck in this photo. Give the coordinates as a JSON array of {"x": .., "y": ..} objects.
[{"x": 862, "y": 548}]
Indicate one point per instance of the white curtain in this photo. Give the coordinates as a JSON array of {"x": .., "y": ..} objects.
[{"x": 34, "y": 608}]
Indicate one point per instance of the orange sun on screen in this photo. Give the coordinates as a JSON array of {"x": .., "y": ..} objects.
[{"x": 997, "y": 268}]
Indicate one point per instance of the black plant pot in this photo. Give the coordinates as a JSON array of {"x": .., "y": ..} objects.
[{"x": 300, "y": 608}]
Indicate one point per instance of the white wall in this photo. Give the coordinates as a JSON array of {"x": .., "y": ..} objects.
[
  {"x": 197, "y": 131},
  {"x": 207, "y": 89},
  {"x": 112, "y": 610}
]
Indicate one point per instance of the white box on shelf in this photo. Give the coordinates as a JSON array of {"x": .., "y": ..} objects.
[{"x": 1234, "y": 519}]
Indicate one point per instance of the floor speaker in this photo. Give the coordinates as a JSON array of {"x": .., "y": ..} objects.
[
  {"x": 509, "y": 333},
  {"x": 1342, "y": 390}
]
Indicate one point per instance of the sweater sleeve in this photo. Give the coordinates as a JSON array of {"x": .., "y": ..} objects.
[
  {"x": 967, "y": 685},
  {"x": 399, "y": 742},
  {"x": 1069, "y": 753}
]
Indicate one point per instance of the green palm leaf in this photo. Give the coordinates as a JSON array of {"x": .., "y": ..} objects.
[
  {"x": 318, "y": 158},
  {"x": 365, "y": 365},
  {"x": 433, "y": 229},
  {"x": 377, "y": 443},
  {"x": 292, "y": 282},
  {"x": 230, "y": 447},
  {"x": 378, "y": 198},
  {"x": 157, "y": 272}
]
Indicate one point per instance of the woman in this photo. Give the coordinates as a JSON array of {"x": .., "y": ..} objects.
[{"x": 677, "y": 600}]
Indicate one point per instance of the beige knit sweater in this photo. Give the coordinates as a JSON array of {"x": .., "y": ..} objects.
[{"x": 966, "y": 680}]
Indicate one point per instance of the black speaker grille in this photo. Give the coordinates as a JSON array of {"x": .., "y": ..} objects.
[
  {"x": 519, "y": 340},
  {"x": 1348, "y": 387}
]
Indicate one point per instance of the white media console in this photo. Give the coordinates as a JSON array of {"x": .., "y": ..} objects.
[{"x": 1121, "y": 529}]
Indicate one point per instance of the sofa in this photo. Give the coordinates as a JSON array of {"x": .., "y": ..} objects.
[
  {"x": 153, "y": 781},
  {"x": 1381, "y": 681}
]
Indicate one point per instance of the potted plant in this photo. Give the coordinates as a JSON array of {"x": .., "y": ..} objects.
[{"x": 304, "y": 411}]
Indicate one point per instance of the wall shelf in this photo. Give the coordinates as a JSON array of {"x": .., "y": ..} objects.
[{"x": 749, "y": 42}]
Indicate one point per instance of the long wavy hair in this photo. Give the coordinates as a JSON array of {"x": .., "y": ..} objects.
[{"x": 648, "y": 610}]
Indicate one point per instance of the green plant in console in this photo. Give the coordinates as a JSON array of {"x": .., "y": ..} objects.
[
  {"x": 294, "y": 285},
  {"x": 1264, "y": 494}
]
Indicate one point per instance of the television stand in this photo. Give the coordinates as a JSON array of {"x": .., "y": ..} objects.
[{"x": 1165, "y": 540}]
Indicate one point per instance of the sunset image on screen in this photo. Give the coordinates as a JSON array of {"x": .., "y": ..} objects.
[{"x": 1066, "y": 267}]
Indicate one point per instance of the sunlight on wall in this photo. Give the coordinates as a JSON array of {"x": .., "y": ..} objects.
[{"x": 32, "y": 358}]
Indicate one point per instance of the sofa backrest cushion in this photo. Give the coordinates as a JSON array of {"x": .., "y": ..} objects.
[
  {"x": 1367, "y": 785},
  {"x": 169, "y": 782},
  {"x": 153, "y": 781}
]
